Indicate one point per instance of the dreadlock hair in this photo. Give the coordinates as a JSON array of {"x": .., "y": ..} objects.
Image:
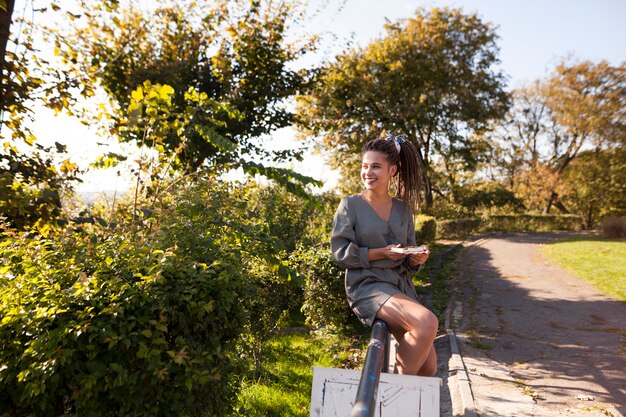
[{"x": 407, "y": 181}]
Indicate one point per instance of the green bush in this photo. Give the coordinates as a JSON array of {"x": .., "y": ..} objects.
[
  {"x": 425, "y": 229},
  {"x": 287, "y": 216},
  {"x": 325, "y": 304},
  {"x": 136, "y": 320},
  {"x": 275, "y": 296},
  {"x": 269, "y": 301},
  {"x": 142, "y": 331},
  {"x": 529, "y": 222},
  {"x": 458, "y": 228},
  {"x": 614, "y": 227}
]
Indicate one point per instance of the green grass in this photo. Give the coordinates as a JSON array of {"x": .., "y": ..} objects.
[
  {"x": 284, "y": 386},
  {"x": 436, "y": 279},
  {"x": 600, "y": 261}
]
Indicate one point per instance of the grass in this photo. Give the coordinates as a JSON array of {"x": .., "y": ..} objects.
[
  {"x": 436, "y": 279},
  {"x": 595, "y": 259},
  {"x": 284, "y": 387}
]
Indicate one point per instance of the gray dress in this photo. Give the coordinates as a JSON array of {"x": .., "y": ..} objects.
[{"x": 357, "y": 227}]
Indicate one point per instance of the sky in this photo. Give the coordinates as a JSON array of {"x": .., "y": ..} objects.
[{"x": 534, "y": 36}]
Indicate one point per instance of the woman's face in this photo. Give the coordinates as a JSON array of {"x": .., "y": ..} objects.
[{"x": 376, "y": 171}]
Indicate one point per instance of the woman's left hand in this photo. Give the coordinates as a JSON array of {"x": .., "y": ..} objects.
[{"x": 419, "y": 258}]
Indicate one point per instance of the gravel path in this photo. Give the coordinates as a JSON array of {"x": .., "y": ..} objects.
[{"x": 535, "y": 340}]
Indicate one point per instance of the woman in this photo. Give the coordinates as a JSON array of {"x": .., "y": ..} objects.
[{"x": 368, "y": 230}]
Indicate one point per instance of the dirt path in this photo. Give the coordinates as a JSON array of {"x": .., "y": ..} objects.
[{"x": 535, "y": 340}]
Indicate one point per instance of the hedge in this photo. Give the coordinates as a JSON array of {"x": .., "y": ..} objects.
[
  {"x": 458, "y": 228},
  {"x": 425, "y": 229}
]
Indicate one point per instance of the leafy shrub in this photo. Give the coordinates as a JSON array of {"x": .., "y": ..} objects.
[
  {"x": 286, "y": 215},
  {"x": 425, "y": 228},
  {"x": 268, "y": 301},
  {"x": 530, "y": 222},
  {"x": 142, "y": 331},
  {"x": 137, "y": 320},
  {"x": 519, "y": 222},
  {"x": 325, "y": 305},
  {"x": 271, "y": 290},
  {"x": 275, "y": 295},
  {"x": 614, "y": 227},
  {"x": 457, "y": 227},
  {"x": 31, "y": 185},
  {"x": 490, "y": 196}
]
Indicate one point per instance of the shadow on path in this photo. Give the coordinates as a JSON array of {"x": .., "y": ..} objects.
[{"x": 558, "y": 337}]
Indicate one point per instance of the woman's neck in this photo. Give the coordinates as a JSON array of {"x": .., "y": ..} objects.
[{"x": 378, "y": 197}]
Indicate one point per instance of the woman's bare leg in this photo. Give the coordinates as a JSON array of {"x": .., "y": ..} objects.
[
  {"x": 415, "y": 329},
  {"x": 429, "y": 368}
]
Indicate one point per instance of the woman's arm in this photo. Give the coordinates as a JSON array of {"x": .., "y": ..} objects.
[{"x": 345, "y": 248}]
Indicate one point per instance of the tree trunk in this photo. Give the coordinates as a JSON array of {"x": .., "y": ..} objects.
[
  {"x": 428, "y": 189},
  {"x": 558, "y": 204},
  {"x": 5, "y": 31},
  {"x": 589, "y": 219},
  {"x": 428, "y": 192},
  {"x": 553, "y": 200}
]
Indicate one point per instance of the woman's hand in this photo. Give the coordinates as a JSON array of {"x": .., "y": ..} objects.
[
  {"x": 377, "y": 254},
  {"x": 419, "y": 258},
  {"x": 394, "y": 256}
]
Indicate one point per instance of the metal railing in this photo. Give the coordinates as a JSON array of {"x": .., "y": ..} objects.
[{"x": 376, "y": 359}]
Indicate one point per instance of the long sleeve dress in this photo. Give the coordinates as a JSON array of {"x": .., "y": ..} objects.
[{"x": 356, "y": 228}]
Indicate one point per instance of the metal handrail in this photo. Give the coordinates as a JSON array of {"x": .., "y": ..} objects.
[{"x": 375, "y": 360}]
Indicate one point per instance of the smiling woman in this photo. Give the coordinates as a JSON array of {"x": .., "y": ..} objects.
[{"x": 368, "y": 230}]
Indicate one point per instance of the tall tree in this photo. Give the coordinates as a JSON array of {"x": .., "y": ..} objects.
[
  {"x": 580, "y": 106},
  {"x": 587, "y": 103},
  {"x": 237, "y": 53},
  {"x": 31, "y": 177},
  {"x": 432, "y": 77},
  {"x": 519, "y": 149}
]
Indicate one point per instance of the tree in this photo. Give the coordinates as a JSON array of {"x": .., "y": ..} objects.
[
  {"x": 236, "y": 53},
  {"x": 32, "y": 177},
  {"x": 594, "y": 185},
  {"x": 6, "y": 12},
  {"x": 431, "y": 78},
  {"x": 29, "y": 78},
  {"x": 587, "y": 108},
  {"x": 580, "y": 106},
  {"x": 518, "y": 147}
]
